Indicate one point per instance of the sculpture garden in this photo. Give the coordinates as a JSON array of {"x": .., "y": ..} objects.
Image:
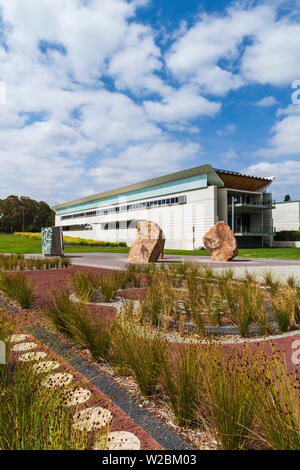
[{"x": 206, "y": 358}]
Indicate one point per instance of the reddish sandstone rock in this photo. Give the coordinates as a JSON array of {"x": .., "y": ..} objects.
[
  {"x": 148, "y": 245},
  {"x": 221, "y": 242}
]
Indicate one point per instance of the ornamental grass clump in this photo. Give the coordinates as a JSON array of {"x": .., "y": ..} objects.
[
  {"x": 152, "y": 303},
  {"x": 76, "y": 321},
  {"x": 85, "y": 285},
  {"x": 144, "y": 350},
  {"x": 65, "y": 262},
  {"x": 17, "y": 287},
  {"x": 59, "y": 310},
  {"x": 214, "y": 307},
  {"x": 285, "y": 307},
  {"x": 271, "y": 282},
  {"x": 193, "y": 301},
  {"x": 92, "y": 335},
  {"x": 109, "y": 287},
  {"x": 169, "y": 300},
  {"x": 253, "y": 306},
  {"x": 245, "y": 305},
  {"x": 229, "y": 399},
  {"x": 182, "y": 381},
  {"x": 134, "y": 275},
  {"x": 277, "y": 406},
  {"x": 118, "y": 357}
]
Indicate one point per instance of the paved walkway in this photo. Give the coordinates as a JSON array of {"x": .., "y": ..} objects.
[{"x": 280, "y": 268}]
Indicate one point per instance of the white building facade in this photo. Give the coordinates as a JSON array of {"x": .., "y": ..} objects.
[
  {"x": 185, "y": 204},
  {"x": 286, "y": 216}
]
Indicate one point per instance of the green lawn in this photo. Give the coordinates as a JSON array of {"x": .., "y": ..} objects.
[{"x": 15, "y": 244}]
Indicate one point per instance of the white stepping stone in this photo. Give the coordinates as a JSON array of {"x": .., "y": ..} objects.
[
  {"x": 58, "y": 380},
  {"x": 76, "y": 396},
  {"x": 119, "y": 440},
  {"x": 45, "y": 366},
  {"x": 24, "y": 347},
  {"x": 32, "y": 356},
  {"x": 92, "y": 418},
  {"x": 18, "y": 338}
]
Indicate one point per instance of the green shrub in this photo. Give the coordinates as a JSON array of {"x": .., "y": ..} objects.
[
  {"x": 73, "y": 240},
  {"x": 291, "y": 235},
  {"x": 17, "y": 287}
]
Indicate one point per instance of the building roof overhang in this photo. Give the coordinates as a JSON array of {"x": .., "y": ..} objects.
[{"x": 234, "y": 180}]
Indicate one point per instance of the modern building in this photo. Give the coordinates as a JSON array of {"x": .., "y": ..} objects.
[
  {"x": 286, "y": 216},
  {"x": 186, "y": 204}
]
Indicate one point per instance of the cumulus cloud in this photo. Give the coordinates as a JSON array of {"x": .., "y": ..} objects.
[
  {"x": 230, "y": 154},
  {"x": 274, "y": 57},
  {"x": 181, "y": 104},
  {"x": 266, "y": 102},
  {"x": 285, "y": 140},
  {"x": 227, "y": 130},
  {"x": 196, "y": 54},
  {"x": 141, "y": 161},
  {"x": 287, "y": 175}
]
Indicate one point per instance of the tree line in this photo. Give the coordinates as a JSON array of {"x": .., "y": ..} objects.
[{"x": 23, "y": 214}]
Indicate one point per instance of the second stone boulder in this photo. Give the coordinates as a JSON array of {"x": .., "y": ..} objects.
[{"x": 221, "y": 242}]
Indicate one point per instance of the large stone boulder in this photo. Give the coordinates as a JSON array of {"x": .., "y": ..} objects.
[
  {"x": 149, "y": 244},
  {"x": 221, "y": 242}
]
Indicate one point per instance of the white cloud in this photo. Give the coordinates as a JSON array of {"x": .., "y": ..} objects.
[
  {"x": 196, "y": 54},
  {"x": 287, "y": 176},
  {"x": 230, "y": 154},
  {"x": 266, "y": 102},
  {"x": 230, "y": 129},
  {"x": 90, "y": 32},
  {"x": 274, "y": 58},
  {"x": 134, "y": 64},
  {"x": 182, "y": 104},
  {"x": 140, "y": 162},
  {"x": 285, "y": 140},
  {"x": 114, "y": 119}
]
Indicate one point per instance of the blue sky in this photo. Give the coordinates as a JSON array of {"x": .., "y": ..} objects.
[{"x": 100, "y": 94}]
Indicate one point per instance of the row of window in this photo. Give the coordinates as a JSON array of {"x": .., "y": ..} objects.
[
  {"x": 120, "y": 224},
  {"x": 129, "y": 207},
  {"x": 76, "y": 228}
]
